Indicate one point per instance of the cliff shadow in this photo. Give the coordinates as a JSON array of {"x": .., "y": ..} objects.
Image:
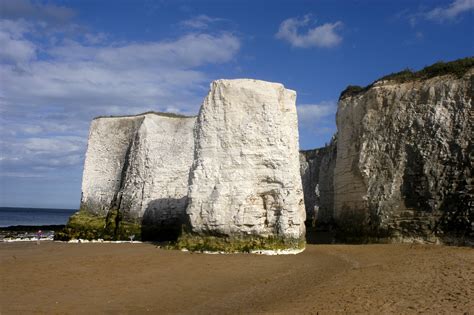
[
  {"x": 415, "y": 186},
  {"x": 320, "y": 234},
  {"x": 163, "y": 219}
]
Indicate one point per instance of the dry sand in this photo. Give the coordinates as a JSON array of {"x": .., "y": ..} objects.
[{"x": 138, "y": 278}]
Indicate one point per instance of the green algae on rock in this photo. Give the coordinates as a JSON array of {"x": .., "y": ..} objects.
[
  {"x": 86, "y": 225},
  {"x": 235, "y": 244}
]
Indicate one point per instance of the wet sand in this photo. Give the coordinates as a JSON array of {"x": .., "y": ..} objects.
[{"x": 139, "y": 278}]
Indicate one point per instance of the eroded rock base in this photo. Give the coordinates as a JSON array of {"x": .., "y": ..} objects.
[
  {"x": 245, "y": 244},
  {"x": 85, "y": 225}
]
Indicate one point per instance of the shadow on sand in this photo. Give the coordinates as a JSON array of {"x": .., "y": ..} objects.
[{"x": 315, "y": 235}]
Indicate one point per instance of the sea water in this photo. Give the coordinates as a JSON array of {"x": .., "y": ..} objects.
[{"x": 33, "y": 216}]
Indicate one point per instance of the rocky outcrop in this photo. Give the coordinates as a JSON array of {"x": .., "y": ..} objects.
[
  {"x": 400, "y": 167},
  {"x": 405, "y": 158},
  {"x": 317, "y": 173},
  {"x": 245, "y": 185},
  {"x": 136, "y": 174}
]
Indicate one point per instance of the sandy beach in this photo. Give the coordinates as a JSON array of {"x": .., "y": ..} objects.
[{"x": 137, "y": 278}]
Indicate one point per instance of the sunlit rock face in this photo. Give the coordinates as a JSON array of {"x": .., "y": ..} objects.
[
  {"x": 405, "y": 158},
  {"x": 107, "y": 156},
  {"x": 139, "y": 165},
  {"x": 245, "y": 178}
]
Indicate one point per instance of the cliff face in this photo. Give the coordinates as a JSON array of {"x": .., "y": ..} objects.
[
  {"x": 245, "y": 179},
  {"x": 400, "y": 166},
  {"x": 405, "y": 158},
  {"x": 107, "y": 157},
  {"x": 317, "y": 173},
  {"x": 139, "y": 167}
]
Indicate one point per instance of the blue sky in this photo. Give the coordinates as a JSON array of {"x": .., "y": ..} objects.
[{"x": 64, "y": 62}]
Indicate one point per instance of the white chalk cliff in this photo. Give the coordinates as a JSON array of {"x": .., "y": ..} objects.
[
  {"x": 245, "y": 176},
  {"x": 400, "y": 166},
  {"x": 404, "y": 157},
  {"x": 140, "y": 166}
]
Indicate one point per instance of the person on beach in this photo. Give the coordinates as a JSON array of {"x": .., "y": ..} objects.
[{"x": 39, "y": 234}]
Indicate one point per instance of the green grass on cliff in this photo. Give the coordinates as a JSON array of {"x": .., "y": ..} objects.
[
  {"x": 456, "y": 68},
  {"x": 164, "y": 114}
]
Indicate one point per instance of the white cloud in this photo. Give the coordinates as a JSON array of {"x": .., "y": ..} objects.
[
  {"x": 188, "y": 51},
  {"x": 450, "y": 12},
  {"x": 15, "y": 49},
  {"x": 324, "y": 35},
  {"x": 56, "y": 145},
  {"x": 15, "y": 29},
  {"x": 47, "y": 100},
  {"x": 313, "y": 113},
  {"x": 441, "y": 14},
  {"x": 12, "y": 9},
  {"x": 317, "y": 119},
  {"x": 94, "y": 39},
  {"x": 200, "y": 22},
  {"x": 134, "y": 75},
  {"x": 19, "y": 174},
  {"x": 36, "y": 155}
]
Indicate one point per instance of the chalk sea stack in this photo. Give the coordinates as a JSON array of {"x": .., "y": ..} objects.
[
  {"x": 135, "y": 178},
  {"x": 245, "y": 188}
]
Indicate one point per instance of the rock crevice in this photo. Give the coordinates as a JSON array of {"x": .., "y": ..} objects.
[{"x": 317, "y": 174}]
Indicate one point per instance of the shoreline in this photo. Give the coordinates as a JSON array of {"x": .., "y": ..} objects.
[
  {"x": 22, "y": 233},
  {"x": 266, "y": 252}
]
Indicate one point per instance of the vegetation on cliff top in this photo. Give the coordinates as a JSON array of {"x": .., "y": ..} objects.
[
  {"x": 456, "y": 68},
  {"x": 170, "y": 115}
]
